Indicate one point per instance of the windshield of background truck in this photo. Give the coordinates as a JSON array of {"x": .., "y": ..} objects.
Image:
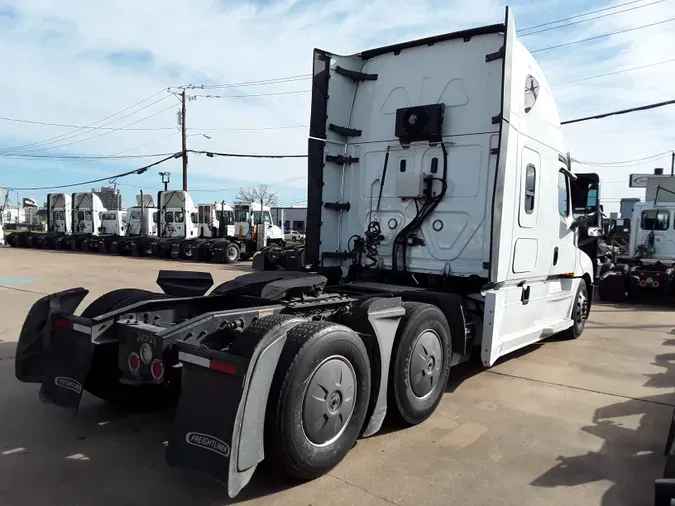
[{"x": 266, "y": 217}]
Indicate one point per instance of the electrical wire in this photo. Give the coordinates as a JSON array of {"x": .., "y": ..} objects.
[
  {"x": 242, "y": 155},
  {"x": 294, "y": 92},
  {"x": 614, "y": 73},
  {"x": 602, "y": 36},
  {"x": 110, "y": 179},
  {"x": 276, "y": 80},
  {"x": 590, "y": 19},
  {"x": 256, "y": 129},
  {"x": 617, "y": 113},
  {"x": 64, "y": 125},
  {"x": 58, "y": 146},
  {"x": 580, "y": 15},
  {"x": 246, "y": 187},
  {"x": 83, "y": 157},
  {"x": 70, "y": 134},
  {"x": 645, "y": 159}
]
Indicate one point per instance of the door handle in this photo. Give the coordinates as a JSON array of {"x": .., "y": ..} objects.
[{"x": 555, "y": 255}]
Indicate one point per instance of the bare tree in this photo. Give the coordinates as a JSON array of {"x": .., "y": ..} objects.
[{"x": 258, "y": 194}]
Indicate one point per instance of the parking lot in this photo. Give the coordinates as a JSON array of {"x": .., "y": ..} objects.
[{"x": 562, "y": 423}]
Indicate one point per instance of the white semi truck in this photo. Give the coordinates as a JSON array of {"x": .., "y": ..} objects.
[
  {"x": 649, "y": 269},
  {"x": 440, "y": 225}
]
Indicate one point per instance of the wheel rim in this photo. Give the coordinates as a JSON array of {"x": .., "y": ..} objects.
[
  {"x": 232, "y": 253},
  {"x": 581, "y": 309},
  {"x": 425, "y": 364},
  {"x": 188, "y": 250},
  {"x": 329, "y": 401}
]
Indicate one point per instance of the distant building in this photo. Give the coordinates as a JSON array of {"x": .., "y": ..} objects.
[
  {"x": 290, "y": 218},
  {"x": 111, "y": 197}
]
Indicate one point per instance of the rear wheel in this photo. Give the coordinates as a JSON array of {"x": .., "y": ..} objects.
[
  {"x": 318, "y": 400},
  {"x": 188, "y": 250},
  {"x": 232, "y": 253},
  {"x": 104, "y": 374},
  {"x": 420, "y": 363}
]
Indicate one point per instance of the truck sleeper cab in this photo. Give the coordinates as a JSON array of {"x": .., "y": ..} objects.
[{"x": 294, "y": 366}]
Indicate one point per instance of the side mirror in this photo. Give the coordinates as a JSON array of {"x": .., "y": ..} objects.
[{"x": 594, "y": 232}]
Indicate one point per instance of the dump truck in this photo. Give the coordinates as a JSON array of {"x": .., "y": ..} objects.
[{"x": 440, "y": 226}]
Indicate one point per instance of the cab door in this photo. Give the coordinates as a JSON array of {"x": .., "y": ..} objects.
[{"x": 563, "y": 254}]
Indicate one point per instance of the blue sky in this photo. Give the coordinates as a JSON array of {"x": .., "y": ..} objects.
[{"x": 77, "y": 62}]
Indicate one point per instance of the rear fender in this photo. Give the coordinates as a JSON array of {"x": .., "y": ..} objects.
[
  {"x": 219, "y": 423},
  {"x": 34, "y": 347}
]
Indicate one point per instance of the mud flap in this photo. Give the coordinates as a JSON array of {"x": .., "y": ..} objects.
[
  {"x": 219, "y": 423},
  {"x": 68, "y": 367},
  {"x": 34, "y": 348}
]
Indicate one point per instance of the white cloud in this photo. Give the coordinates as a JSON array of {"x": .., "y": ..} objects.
[{"x": 65, "y": 63}]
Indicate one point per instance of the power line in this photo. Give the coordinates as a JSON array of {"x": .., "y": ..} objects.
[
  {"x": 66, "y": 135},
  {"x": 276, "y": 80},
  {"x": 256, "y": 129},
  {"x": 614, "y": 73},
  {"x": 655, "y": 156},
  {"x": 113, "y": 156},
  {"x": 294, "y": 92},
  {"x": 58, "y": 146},
  {"x": 602, "y": 36},
  {"x": 591, "y": 19},
  {"x": 579, "y": 15},
  {"x": 623, "y": 111},
  {"x": 247, "y": 187},
  {"x": 242, "y": 155},
  {"x": 110, "y": 179},
  {"x": 64, "y": 125},
  {"x": 84, "y": 157}
]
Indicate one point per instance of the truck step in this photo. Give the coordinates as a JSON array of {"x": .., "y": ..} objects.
[{"x": 558, "y": 326}]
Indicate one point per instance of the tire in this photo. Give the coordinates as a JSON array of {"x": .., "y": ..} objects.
[
  {"x": 579, "y": 313},
  {"x": 416, "y": 386},
  {"x": 188, "y": 250},
  {"x": 104, "y": 374},
  {"x": 232, "y": 253},
  {"x": 313, "y": 354}
]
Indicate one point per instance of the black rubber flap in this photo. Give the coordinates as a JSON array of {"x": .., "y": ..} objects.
[
  {"x": 33, "y": 348},
  {"x": 219, "y": 423},
  {"x": 68, "y": 368}
]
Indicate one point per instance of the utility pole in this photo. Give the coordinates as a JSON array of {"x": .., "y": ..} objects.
[
  {"x": 672, "y": 164},
  {"x": 184, "y": 137}
]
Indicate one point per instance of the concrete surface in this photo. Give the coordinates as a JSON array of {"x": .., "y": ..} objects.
[{"x": 561, "y": 423}]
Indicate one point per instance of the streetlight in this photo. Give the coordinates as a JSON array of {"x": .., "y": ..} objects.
[
  {"x": 166, "y": 179},
  {"x": 199, "y": 135}
]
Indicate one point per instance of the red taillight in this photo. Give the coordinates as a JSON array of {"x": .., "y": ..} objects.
[
  {"x": 157, "y": 370},
  {"x": 223, "y": 367},
  {"x": 134, "y": 362},
  {"x": 643, "y": 283},
  {"x": 655, "y": 284},
  {"x": 642, "y": 274},
  {"x": 64, "y": 324},
  {"x": 658, "y": 274}
]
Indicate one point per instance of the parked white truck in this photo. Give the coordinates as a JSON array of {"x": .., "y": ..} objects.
[
  {"x": 439, "y": 225},
  {"x": 649, "y": 268}
]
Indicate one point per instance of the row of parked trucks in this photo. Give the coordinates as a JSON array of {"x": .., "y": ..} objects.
[{"x": 174, "y": 228}]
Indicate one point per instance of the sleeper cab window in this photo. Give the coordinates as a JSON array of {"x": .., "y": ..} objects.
[
  {"x": 655, "y": 220},
  {"x": 530, "y": 182},
  {"x": 531, "y": 92}
]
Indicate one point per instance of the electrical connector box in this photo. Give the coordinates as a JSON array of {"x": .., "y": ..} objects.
[{"x": 409, "y": 185}]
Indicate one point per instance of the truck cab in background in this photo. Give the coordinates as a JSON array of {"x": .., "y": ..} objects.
[{"x": 648, "y": 271}]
